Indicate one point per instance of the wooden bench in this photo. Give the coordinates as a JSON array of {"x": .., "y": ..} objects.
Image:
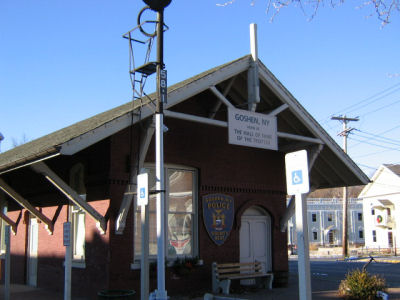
[{"x": 223, "y": 274}]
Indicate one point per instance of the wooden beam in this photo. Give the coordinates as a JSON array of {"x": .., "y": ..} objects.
[
  {"x": 221, "y": 96},
  {"x": 146, "y": 138},
  {"x": 9, "y": 222},
  {"x": 278, "y": 110},
  {"x": 25, "y": 203},
  {"x": 219, "y": 103},
  {"x": 193, "y": 118},
  {"x": 71, "y": 194}
]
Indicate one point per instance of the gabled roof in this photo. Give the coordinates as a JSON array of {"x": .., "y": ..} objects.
[
  {"x": 394, "y": 168},
  {"x": 297, "y": 129},
  {"x": 386, "y": 180}
]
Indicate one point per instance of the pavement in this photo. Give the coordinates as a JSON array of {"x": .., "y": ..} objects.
[{"x": 291, "y": 292}]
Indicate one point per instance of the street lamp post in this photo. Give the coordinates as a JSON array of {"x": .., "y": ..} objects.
[{"x": 158, "y": 6}]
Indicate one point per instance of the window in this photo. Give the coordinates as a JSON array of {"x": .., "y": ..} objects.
[
  {"x": 181, "y": 227},
  {"x": 361, "y": 234},
  {"x": 374, "y": 236},
  {"x": 373, "y": 212},
  {"x": 389, "y": 212},
  {"x": 359, "y": 216},
  {"x": 330, "y": 217},
  {"x": 77, "y": 215},
  {"x": 314, "y": 217},
  {"x": 3, "y": 224},
  {"x": 315, "y": 235}
]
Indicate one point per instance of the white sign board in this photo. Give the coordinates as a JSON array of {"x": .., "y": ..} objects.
[
  {"x": 143, "y": 189},
  {"x": 252, "y": 129},
  {"x": 297, "y": 180}
]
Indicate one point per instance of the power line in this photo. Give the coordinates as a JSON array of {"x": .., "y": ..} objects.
[
  {"x": 346, "y": 109},
  {"x": 379, "y": 139},
  {"x": 380, "y": 108},
  {"x": 372, "y": 144}
]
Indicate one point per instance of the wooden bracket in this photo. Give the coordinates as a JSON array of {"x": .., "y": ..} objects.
[
  {"x": 25, "y": 203},
  {"x": 71, "y": 194}
]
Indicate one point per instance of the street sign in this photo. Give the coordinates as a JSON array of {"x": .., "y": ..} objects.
[
  {"x": 297, "y": 180},
  {"x": 143, "y": 189},
  {"x": 67, "y": 234}
]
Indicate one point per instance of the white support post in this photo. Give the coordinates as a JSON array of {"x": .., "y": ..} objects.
[
  {"x": 68, "y": 261},
  {"x": 7, "y": 273},
  {"x": 161, "y": 293},
  {"x": 302, "y": 247},
  {"x": 253, "y": 83},
  {"x": 144, "y": 264}
]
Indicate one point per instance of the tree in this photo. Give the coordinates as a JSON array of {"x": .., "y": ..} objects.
[{"x": 384, "y": 9}]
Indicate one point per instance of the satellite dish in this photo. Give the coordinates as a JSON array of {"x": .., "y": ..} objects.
[{"x": 157, "y": 5}]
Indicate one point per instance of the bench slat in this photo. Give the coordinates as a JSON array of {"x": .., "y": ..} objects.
[
  {"x": 236, "y": 270},
  {"x": 243, "y": 276},
  {"x": 228, "y": 265}
]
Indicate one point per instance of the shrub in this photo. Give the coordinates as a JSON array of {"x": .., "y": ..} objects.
[{"x": 359, "y": 284}]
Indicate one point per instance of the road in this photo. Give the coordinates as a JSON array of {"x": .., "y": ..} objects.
[{"x": 327, "y": 274}]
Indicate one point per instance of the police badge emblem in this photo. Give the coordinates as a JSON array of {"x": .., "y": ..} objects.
[{"x": 218, "y": 214}]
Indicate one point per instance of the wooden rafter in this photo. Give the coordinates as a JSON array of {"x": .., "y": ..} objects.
[
  {"x": 9, "y": 222},
  {"x": 71, "y": 194},
  {"x": 25, "y": 203},
  {"x": 129, "y": 192}
]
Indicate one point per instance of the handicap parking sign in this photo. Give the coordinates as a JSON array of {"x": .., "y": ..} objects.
[
  {"x": 296, "y": 165},
  {"x": 143, "y": 189},
  {"x": 297, "y": 177}
]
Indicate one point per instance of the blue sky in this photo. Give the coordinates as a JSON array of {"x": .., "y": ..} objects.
[{"x": 64, "y": 61}]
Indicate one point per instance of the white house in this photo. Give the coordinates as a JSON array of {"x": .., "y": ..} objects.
[
  {"x": 381, "y": 198},
  {"x": 324, "y": 218}
]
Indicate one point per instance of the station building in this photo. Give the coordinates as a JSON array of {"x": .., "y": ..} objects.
[{"x": 225, "y": 201}]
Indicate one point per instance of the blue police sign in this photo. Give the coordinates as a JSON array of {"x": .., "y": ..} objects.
[{"x": 218, "y": 214}]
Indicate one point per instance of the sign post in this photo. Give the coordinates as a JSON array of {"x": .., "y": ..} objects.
[
  {"x": 7, "y": 286},
  {"x": 68, "y": 260},
  {"x": 297, "y": 181},
  {"x": 142, "y": 201}
]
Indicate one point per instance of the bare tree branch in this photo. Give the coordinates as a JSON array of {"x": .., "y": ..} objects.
[{"x": 383, "y": 9}]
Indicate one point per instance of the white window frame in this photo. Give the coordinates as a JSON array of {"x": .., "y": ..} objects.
[
  {"x": 75, "y": 214},
  {"x": 78, "y": 255},
  {"x": 195, "y": 212},
  {"x": 3, "y": 208}
]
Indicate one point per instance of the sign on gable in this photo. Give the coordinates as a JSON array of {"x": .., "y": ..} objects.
[
  {"x": 247, "y": 128},
  {"x": 218, "y": 213}
]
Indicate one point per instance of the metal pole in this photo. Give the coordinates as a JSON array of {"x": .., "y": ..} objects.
[
  {"x": 161, "y": 293},
  {"x": 144, "y": 268},
  {"x": 68, "y": 260},
  {"x": 7, "y": 286},
  {"x": 302, "y": 247}
]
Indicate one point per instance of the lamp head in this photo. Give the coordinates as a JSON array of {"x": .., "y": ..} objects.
[{"x": 157, "y": 5}]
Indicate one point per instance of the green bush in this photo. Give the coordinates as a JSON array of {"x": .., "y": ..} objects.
[{"x": 359, "y": 284}]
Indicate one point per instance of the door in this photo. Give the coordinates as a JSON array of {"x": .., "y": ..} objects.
[
  {"x": 32, "y": 257},
  {"x": 255, "y": 239}
]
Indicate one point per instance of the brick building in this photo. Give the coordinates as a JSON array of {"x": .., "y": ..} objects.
[{"x": 82, "y": 174}]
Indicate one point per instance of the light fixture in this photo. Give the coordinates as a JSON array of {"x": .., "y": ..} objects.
[{"x": 157, "y": 5}]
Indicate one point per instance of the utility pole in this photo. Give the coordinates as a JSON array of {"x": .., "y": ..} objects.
[{"x": 346, "y": 131}]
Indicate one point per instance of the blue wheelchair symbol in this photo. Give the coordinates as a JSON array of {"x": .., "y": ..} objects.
[
  {"x": 297, "y": 177},
  {"x": 142, "y": 193}
]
